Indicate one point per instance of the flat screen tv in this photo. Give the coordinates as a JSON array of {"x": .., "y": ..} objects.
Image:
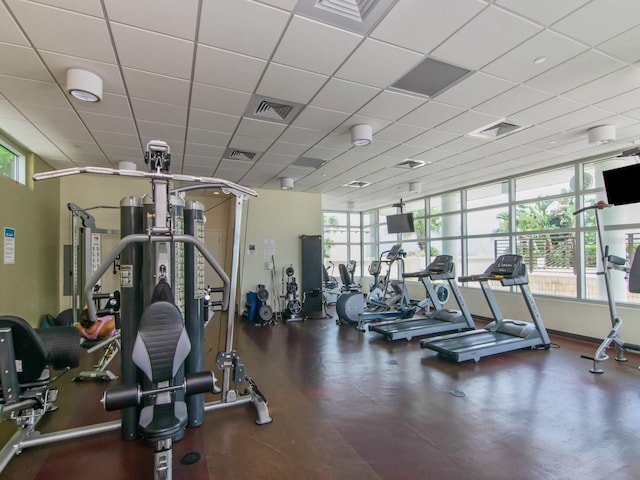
[
  {"x": 621, "y": 184},
  {"x": 401, "y": 223}
]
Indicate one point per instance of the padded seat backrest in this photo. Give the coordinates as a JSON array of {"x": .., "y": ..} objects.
[
  {"x": 30, "y": 351},
  {"x": 344, "y": 275},
  {"x": 162, "y": 344}
]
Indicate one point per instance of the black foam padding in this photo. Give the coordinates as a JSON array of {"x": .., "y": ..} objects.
[
  {"x": 63, "y": 346},
  {"x": 634, "y": 273},
  {"x": 121, "y": 396},
  {"x": 30, "y": 351},
  {"x": 65, "y": 318},
  {"x": 199, "y": 382}
]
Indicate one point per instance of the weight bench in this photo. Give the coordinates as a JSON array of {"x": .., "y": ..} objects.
[{"x": 159, "y": 351}]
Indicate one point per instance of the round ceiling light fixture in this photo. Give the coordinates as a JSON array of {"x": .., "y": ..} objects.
[
  {"x": 286, "y": 183},
  {"x": 361, "y": 135},
  {"x": 84, "y": 85}
]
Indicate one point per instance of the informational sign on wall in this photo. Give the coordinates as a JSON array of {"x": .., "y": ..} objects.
[{"x": 9, "y": 245}]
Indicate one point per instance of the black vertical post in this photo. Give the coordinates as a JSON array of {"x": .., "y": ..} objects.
[
  {"x": 131, "y": 304},
  {"x": 311, "y": 275},
  {"x": 193, "y": 303}
]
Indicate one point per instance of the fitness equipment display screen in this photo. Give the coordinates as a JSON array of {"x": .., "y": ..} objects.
[
  {"x": 506, "y": 265},
  {"x": 621, "y": 184},
  {"x": 401, "y": 223},
  {"x": 393, "y": 253}
]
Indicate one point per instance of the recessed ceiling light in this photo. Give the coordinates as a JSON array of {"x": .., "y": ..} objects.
[{"x": 540, "y": 60}]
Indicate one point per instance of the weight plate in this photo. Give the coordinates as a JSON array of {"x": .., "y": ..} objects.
[
  {"x": 292, "y": 287},
  {"x": 265, "y": 313},
  {"x": 295, "y": 306},
  {"x": 289, "y": 271},
  {"x": 262, "y": 294}
]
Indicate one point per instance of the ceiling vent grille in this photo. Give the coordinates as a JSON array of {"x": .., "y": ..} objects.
[
  {"x": 410, "y": 164},
  {"x": 272, "y": 109},
  {"x": 359, "y": 16},
  {"x": 357, "y": 184},
  {"x": 309, "y": 162},
  {"x": 235, "y": 154},
  {"x": 496, "y": 130}
]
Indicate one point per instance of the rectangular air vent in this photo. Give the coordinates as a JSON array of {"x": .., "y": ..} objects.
[
  {"x": 272, "y": 109},
  {"x": 354, "y": 9},
  {"x": 429, "y": 78},
  {"x": 357, "y": 184},
  {"x": 496, "y": 130},
  {"x": 359, "y": 16},
  {"x": 235, "y": 154},
  {"x": 410, "y": 164},
  {"x": 309, "y": 162}
]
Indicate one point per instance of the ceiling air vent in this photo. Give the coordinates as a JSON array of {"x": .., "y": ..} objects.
[
  {"x": 235, "y": 154},
  {"x": 410, "y": 164},
  {"x": 496, "y": 130},
  {"x": 356, "y": 15},
  {"x": 272, "y": 109},
  {"x": 357, "y": 184},
  {"x": 309, "y": 162}
]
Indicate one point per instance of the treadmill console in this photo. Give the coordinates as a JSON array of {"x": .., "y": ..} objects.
[
  {"x": 374, "y": 267},
  {"x": 506, "y": 266},
  {"x": 441, "y": 264},
  {"x": 395, "y": 252}
]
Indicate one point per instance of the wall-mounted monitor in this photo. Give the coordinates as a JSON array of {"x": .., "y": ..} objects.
[
  {"x": 621, "y": 184},
  {"x": 401, "y": 223}
]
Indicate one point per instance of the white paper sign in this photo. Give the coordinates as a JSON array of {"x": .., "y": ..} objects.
[{"x": 9, "y": 245}]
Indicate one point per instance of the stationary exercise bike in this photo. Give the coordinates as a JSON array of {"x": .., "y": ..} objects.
[{"x": 610, "y": 262}]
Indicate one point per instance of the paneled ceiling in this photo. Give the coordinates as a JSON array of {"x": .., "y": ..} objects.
[{"x": 185, "y": 72}]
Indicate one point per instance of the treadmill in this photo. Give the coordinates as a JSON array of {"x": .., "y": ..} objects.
[
  {"x": 441, "y": 319},
  {"x": 501, "y": 335}
]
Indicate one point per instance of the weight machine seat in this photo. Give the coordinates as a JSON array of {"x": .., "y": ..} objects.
[
  {"x": 35, "y": 348},
  {"x": 160, "y": 349}
]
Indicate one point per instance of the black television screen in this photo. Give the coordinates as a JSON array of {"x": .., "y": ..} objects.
[
  {"x": 621, "y": 184},
  {"x": 401, "y": 223}
]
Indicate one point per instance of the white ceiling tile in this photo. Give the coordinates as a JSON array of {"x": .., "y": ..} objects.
[
  {"x": 218, "y": 122},
  {"x": 624, "y": 46},
  {"x": 134, "y": 45},
  {"x": 600, "y": 20},
  {"x": 526, "y": 136},
  {"x": 543, "y": 11},
  {"x": 39, "y": 113},
  {"x": 464, "y": 143},
  {"x": 404, "y": 151},
  {"x": 206, "y": 137},
  {"x": 432, "y": 138},
  {"x": 301, "y": 136},
  {"x": 69, "y": 35},
  {"x": 467, "y": 122},
  {"x": 19, "y": 61},
  {"x": 390, "y": 105},
  {"x": 268, "y": 168},
  {"x": 576, "y": 119},
  {"x": 9, "y": 31},
  {"x": 227, "y": 69},
  {"x": 285, "y": 148},
  {"x": 153, "y": 14},
  {"x": 518, "y": 64},
  {"x": 277, "y": 159},
  {"x": 285, "y": 4},
  {"x": 123, "y": 141},
  {"x": 313, "y": 46},
  {"x": 546, "y": 110},
  {"x": 472, "y": 47},
  {"x": 320, "y": 119},
  {"x": 106, "y": 123},
  {"x": 322, "y": 153},
  {"x": 336, "y": 141},
  {"x": 622, "y": 103},
  {"x": 405, "y": 25},
  {"x": 378, "y": 64},
  {"x": 343, "y": 96},
  {"x": 9, "y": 112},
  {"x": 605, "y": 87},
  {"x": 243, "y": 27},
  {"x": 260, "y": 129},
  {"x": 159, "y": 88},
  {"x": 377, "y": 124},
  {"x": 250, "y": 143},
  {"x": 290, "y": 84},
  {"x": 90, "y": 7},
  {"x": 158, "y": 111},
  {"x": 512, "y": 101},
  {"x": 221, "y": 100},
  {"x": 19, "y": 90},
  {"x": 169, "y": 133},
  {"x": 398, "y": 133},
  {"x": 209, "y": 161},
  {"x": 431, "y": 114},
  {"x": 116, "y": 105},
  {"x": 575, "y": 72},
  {"x": 197, "y": 170},
  {"x": 473, "y": 90},
  {"x": 212, "y": 152}
]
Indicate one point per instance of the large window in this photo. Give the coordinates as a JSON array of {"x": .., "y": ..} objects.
[
  {"x": 531, "y": 215},
  {"x": 12, "y": 162}
]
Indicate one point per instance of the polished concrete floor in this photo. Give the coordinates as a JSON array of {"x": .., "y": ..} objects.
[{"x": 351, "y": 405}]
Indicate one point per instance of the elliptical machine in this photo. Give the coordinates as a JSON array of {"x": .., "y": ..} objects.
[{"x": 609, "y": 262}]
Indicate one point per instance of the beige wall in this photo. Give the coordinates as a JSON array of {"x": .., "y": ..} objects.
[
  {"x": 30, "y": 286},
  {"x": 281, "y": 216}
]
